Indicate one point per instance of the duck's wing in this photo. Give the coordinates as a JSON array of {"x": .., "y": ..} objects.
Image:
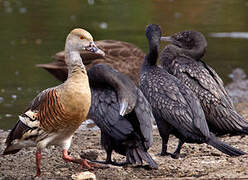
[
  {"x": 32, "y": 122},
  {"x": 123, "y": 56},
  {"x": 104, "y": 111},
  {"x": 174, "y": 103},
  {"x": 57, "y": 68}
]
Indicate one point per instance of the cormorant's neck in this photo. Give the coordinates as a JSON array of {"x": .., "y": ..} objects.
[
  {"x": 168, "y": 54},
  {"x": 152, "y": 56},
  {"x": 198, "y": 49},
  {"x": 197, "y": 52}
]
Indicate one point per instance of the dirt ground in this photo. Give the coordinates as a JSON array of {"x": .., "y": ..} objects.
[{"x": 197, "y": 161}]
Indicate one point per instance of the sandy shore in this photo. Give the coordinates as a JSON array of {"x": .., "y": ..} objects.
[{"x": 197, "y": 161}]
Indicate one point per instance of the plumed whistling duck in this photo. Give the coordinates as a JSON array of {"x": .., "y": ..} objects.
[
  {"x": 55, "y": 113},
  {"x": 122, "y": 56}
]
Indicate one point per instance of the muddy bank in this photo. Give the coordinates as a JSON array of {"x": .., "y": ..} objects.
[{"x": 197, "y": 160}]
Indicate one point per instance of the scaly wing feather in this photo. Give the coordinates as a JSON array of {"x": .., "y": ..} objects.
[{"x": 174, "y": 102}]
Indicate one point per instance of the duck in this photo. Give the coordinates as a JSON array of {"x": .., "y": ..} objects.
[
  {"x": 56, "y": 113},
  {"x": 123, "y": 56},
  {"x": 175, "y": 107},
  {"x": 183, "y": 59},
  {"x": 123, "y": 115}
]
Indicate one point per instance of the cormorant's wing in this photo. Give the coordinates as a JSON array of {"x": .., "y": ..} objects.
[
  {"x": 202, "y": 80},
  {"x": 174, "y": 102},
  {"x": 145, "y": 117},
  {"x": 104, "y": 111},
  {"x": 218, "y": 81},
  {"x": 208, "y": 86}
]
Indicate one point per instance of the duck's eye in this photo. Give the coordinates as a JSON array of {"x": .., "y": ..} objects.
[{"x": 82, "y": 37}]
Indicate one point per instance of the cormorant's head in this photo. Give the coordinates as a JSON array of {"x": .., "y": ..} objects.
[
  {"x": 190, "y": 43},
  {"x": 153, "y": 32},
  {"x": 187, "y": 39}
]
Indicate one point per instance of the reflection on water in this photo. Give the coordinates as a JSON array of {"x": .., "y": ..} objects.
[
  {"x": 32, "y": 31},
  {"x": 242, "y": 35}
]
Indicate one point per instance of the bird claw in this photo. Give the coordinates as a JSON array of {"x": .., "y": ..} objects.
[
  {"x": 91, "y": 165},
  {"x": 165, "y": 154},
  {"x": 175, "y": 155}
]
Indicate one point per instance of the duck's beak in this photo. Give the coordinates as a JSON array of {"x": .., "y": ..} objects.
[
  {"x": 166, "y": 38},
  {"x": 93, "y": 48}
]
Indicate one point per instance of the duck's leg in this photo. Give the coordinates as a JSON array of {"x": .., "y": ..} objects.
[
  {"x": 38, "y": 159},
  {"x": 82, "y": 162}
]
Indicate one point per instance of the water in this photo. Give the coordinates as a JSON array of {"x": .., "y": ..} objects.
[{"x": 32, "y": 31}]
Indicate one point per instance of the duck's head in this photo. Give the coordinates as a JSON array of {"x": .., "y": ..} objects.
[
  {"x": 192, "y": 42},
  {"x": 80, "y": 39}
]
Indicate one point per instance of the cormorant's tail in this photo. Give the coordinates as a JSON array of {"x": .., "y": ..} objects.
[
  {"x": 225, "y": 148},
  {"x": 245, "y": 130},
  {"x": 138, "y": 155}
]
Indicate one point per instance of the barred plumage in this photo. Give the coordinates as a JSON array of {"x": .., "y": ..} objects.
[{"x": 55, "y": 113}]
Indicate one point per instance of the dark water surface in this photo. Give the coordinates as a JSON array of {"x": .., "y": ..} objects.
[{"x": 32, "y": 31}]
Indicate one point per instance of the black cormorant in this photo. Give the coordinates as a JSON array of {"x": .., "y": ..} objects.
[
  {"x": 175, "y": 108},
  {"x": 182, "y": 59},
  {"x": 122, "y": 113}
]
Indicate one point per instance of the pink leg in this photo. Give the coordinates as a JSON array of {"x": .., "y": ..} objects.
[
  {"x": 82, "y": 162},
  {"x": 38, "y": 159}
]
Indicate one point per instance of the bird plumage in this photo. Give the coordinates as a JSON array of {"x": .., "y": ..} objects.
[
  {"x": 130, "y": 134},
  {"x": 122, "y": 56},
  {"x": 55, "y": 113},
  {"x": 184, "y": 62},
  {"x": 175, "y": 107}
]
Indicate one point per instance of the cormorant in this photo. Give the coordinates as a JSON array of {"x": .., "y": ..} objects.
[
  {"x": 122, "y": 113},
  {"x": 182, "y": 59},
  {"x": 176, "y": 109}
]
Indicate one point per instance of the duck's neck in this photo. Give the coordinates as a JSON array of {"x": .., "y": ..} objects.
[
  {"x": 151, "y": 57},
  {"x": 74, "y": 62}
]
